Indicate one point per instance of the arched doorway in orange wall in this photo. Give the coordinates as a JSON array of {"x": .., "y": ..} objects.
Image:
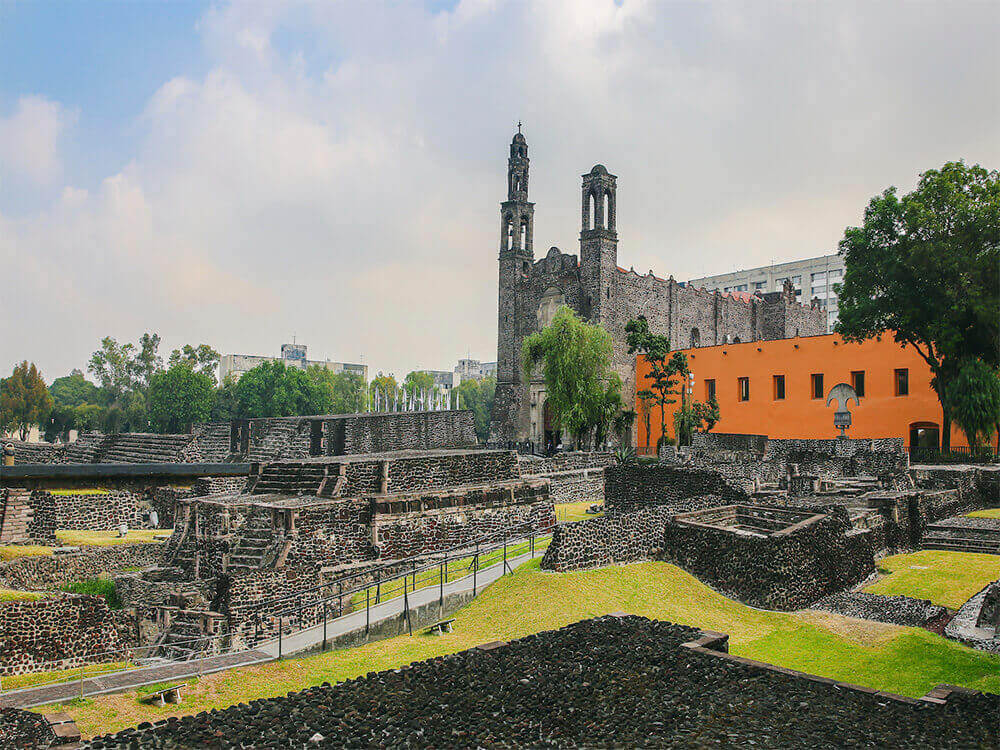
[{"x": 925, "y": 435}]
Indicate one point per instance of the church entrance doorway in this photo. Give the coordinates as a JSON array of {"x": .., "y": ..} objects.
[{"x": 550, "y": 431}]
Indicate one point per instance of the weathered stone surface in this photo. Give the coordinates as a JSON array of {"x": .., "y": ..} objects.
[
  {"x": 609, "y": 682},
  {"x": 896, "y": 610}
]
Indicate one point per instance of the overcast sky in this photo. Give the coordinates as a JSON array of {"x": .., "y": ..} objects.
[{"x": 239, "y": 174}]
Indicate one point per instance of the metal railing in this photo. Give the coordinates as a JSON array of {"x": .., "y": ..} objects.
[
  {"x": 407, "y": 577},
  {"x": 393, "y": 580},
  {"x": 956, "y": 455}
]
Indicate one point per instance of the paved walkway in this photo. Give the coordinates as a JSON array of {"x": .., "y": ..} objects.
[
  {"x": 120, "y": 682},
  {"x": 355, "y": 621}
]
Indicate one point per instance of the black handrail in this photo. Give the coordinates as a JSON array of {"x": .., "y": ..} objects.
[{"x": 394, "y": 564}]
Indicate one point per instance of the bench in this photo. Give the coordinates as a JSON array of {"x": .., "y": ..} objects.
[
  {"x": 440, "y": 628},
  {"x": 160, "y": 698}
]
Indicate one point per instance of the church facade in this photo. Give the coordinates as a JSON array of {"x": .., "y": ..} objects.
[{"x": 598, "y": 290}]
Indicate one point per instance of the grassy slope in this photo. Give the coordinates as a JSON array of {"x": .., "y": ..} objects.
[
  {"x": 988, "y": 513},
  {"x": 568, "y": 512},
  {"x": 946, "y": 578},
  {"x": 891, "y": 658}
]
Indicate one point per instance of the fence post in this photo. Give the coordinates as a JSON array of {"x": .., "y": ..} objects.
[
  {"x": 340, "y": 599},
  {"x": 444, "y": 568},
  {"x": 475, "y": 568},
  {"x": 506, "y": 567},
  {"x": 324, "y": 626},
  {"x": 406, "y": 607},
  {"x": 281, "y": 628},
  {"x": 368, "y": 611},
  {"x": 81, "y": 682}
]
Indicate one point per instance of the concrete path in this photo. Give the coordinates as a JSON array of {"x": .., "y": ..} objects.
[
  {"x": 355, "y": 621},
  {"x": 120, "y": 682}
]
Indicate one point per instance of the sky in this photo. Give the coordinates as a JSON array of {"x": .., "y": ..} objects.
[{"x": 237, "y": 174}]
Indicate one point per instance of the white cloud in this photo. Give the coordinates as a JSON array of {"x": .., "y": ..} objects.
[
  {"x": 336, "y": 173},
  {"x": 29, "y": 140}
]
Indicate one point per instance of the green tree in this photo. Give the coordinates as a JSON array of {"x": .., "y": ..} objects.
[
  {"x": 386, "y": 387},
  {"x": 69, "y": 393},
  {"x": 974, "y": 398},
  {"x": 87, "y": 417},
  {"x": 225, "y": 405},
  {"x": 478, "y": 396},
  {"x": 348, "y": 393},
  {"x": 575, "y": 358},
  {"x": 706, "y": 414},
  {"x": 646, "y": 400},
  {"x": 418, "y": 383},
  {"x": 147, "y": 360},
  {"x": 203, "y": 358},
  {"x": 272, "y": 390},
  {"x": 114, "y": 366},
  {"x": 24, "y": 400},
  {"x": 665, "y": 370},
  {"x": 926, "y": 267},
  {"x": 179, "y": 397}
]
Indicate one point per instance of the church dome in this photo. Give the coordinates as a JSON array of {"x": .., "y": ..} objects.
[{"x": 599, "y": 169}]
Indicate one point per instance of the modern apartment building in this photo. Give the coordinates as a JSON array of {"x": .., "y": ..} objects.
[
  {"x": 813, "y": 277},
  {"x": 292, "y": 355}
]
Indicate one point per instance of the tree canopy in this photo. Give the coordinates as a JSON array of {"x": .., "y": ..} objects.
[
  {"x": 179, "y": 397},
  {"x": 926, "y": 267},
  {"x": 974, "y": 397},
  {"x": 575, "y": 358},
  {"x": 477, "y": 395},
  {"x": 273, "y": 390},
  {"x": 203, "y": 358},
  {"x": 24, "y": 400}
]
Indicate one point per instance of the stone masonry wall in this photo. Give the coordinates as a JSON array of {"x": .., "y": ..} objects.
[
  {"x": 640, "y": 485},
  {"x": 784, "y": 571},
  {"x": 49, "y": 572},
  {"x": 57, "y": 632}
]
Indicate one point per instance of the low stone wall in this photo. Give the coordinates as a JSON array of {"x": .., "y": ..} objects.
[
  {"x": 640, "y": 485},
  {"x": 895, "y": 610},
  {"x": 784, "y": 570},
  {"x": 538, "y": 466},
  {"x": 585, "y": 485},
  {"x": 729, "y": 441},
  {"x": 24, "y": 730},
  {"x": 57, "y": 632},
  {"x": 98, "y": 512},
  {"x": 50, "y": 572}
]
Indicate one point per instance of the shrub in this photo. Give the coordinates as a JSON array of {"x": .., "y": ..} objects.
[{"x": 97, "y": 587}]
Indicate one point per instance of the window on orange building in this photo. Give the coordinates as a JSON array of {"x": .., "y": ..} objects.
[
  {"x": 858, "y": 382},
  {"x": 902, "y": 382},
  {"x": 779, "y": 387},
  {"x": 709, "y": 390},
  {"x": 817, "y": 385},
  {"x": 744, "y": 389}
]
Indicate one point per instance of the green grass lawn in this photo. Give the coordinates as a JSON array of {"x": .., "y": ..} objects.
[
  {"x": 12, "y": 595},
  {"x": 568, "y": 512},
  {"x": 946, "y": 578},
  {"x": 887, "y": 657},
  {"x": 85, "y": 539},
  {"x": 988, "y": 513}
]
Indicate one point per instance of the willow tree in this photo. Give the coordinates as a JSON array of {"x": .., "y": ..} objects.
[{"x": 575, "y": 358}]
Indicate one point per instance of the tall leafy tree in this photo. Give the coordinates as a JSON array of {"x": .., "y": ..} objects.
[
  {"x": 202, "y": 358},
  {"x": 179, "y": 397},
  {"x": 225, "y": 405},
  {"x": 114, "y": 366},
  {"x": 273, "y": 390},
  {"x": 926, "y": 267},
  {"x": 477, "y": 395},
  {"x": 69, "y": 394},
  {"x": 386, "y": 387},
  {"x": 348, "y": 393},
  {"x": 24, "y": 400},
  {"x": 575, "y": 358},
  {"x": 665, "y": 370},
  {"x": 147, "y": 360},
  {"x": 974, "y": 398},
  {"x": 418, "y": 383}
]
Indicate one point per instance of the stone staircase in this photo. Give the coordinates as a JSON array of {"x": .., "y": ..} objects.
[
  {"x": 961, "y": 538},
  {"x": 211, "y": 442},
  {"x": 290, "y": 479},
  {"x": 145, "y": 448},
  {"x": 178, "y": 643},
  {"x": 86, "y": 449},
  {"x": 257, "y": 539}
]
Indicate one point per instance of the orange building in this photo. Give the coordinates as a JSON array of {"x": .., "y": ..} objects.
[{"x": 779, "y": 389}]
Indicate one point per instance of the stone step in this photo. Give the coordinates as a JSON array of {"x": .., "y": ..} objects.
[{"x": 962, "y": 545}]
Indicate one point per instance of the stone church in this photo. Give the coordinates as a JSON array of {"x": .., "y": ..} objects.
[{"x": 599, "y": 290}]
